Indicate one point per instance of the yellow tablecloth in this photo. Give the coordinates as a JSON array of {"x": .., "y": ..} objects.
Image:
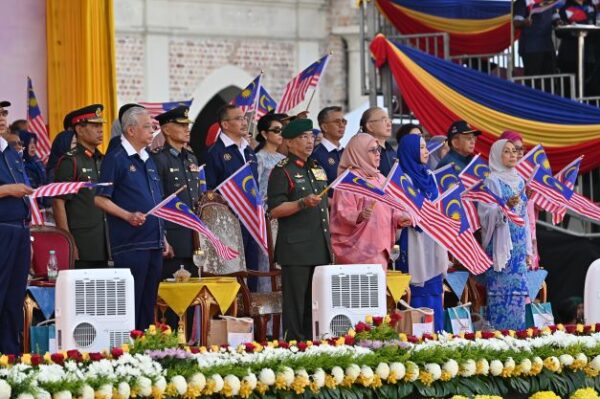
[
  {"x": 179, "y": 296},
  {"x": 397, "y": 283}
]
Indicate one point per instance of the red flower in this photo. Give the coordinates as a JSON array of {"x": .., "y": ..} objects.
[
  {"x": 362, "y": 327},
  {"x": 412, "y": 339},
  {"x": 283, "y": 344},
  {"x": 12, "y": 359},
  {"x": 470, "y": 336},
  {"x": 194, "y": 349},
  {"x": 36, "y": 359},
  {"x": 250, "y": 347},
  {"x": 377, "y": 320},
  {"x": 597, "y": 327},
  {"x": 163, "y": 327},
  {"x": 505, "y": 332},
  {"x": 316, "y": 342},
  {"x": 135, "y": 334},
  {"x": 427, "y": 336},
  {"x": 535, "y": 331},
  {"x": 95, "y": 356},
  {"x": 116, "y": 352},
  {"x": 587, "y": 329},
  {"x": 395, "y": 318},
  {"x": 74, "y": 354},
  {"x": 552, "y": 328},
  {"x": 487, "y": 334},
  {"x": 302, "y": 346},
  {"x": 58, "y": 358},
  {"x": 521, "y": 334},
  {"x": 348, "y": 340},
  {"x": 571, "y": 328}
]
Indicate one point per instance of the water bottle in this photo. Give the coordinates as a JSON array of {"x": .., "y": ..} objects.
[{"x": 52, "y": 266}]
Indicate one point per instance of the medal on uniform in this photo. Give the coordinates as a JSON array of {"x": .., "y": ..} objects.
[
  {"x": 193, "y": 168},
  {"x": 319, "y": 174},
  {"x": 331, "y": 161},
  {"x": 132, "y": 168},
  {"x": 227, "y": 156},
  {"x": 298, "y": 176}
]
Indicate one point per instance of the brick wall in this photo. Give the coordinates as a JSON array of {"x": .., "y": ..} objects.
[
  {"x": 130, "y": 54},
  {"x": 192, "y": 60}
]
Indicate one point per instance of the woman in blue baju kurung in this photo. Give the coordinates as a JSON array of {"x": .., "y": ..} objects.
[
  {"x": 420, "y": 256},
  {"x": 508, "y": 244}
]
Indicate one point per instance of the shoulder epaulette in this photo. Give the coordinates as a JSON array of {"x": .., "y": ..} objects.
[{"x": 283, "y": 162}]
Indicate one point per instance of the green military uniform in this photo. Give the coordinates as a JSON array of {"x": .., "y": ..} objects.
[
  {"x": 303, "y": 239},
  {"x": 86, "y": 222}
]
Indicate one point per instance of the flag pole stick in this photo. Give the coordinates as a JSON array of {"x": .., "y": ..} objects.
[
  {"x": 333, "y": 183},
  {"x": 169, "y": 198}
]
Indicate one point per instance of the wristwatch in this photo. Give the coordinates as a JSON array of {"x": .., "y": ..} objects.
[{"x": 301, "y": 203}]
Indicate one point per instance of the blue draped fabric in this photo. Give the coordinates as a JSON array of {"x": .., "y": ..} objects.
[
  {"x": 458, "y": 9},
  {"x": 44, "y": 297}
]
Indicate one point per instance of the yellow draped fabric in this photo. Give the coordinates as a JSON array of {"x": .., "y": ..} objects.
[
  {"x": 397, "y": 283},
  {"x": 81, "y": 59},
  {"x": 179, "y": 296},
  {"x": 456, "y": 25}
]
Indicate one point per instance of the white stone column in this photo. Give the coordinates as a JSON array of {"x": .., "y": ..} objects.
[
  {"x": 156, "y": 71},
  {"x": 351, "y": 35}
]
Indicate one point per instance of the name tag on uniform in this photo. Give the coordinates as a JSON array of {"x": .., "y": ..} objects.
[
  {"x": 319, "y": 174},
  {"x": 173, "y": 170}
]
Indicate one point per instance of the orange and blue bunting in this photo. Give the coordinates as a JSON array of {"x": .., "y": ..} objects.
[
  {"x": 440, "y": 92},
  {"x": 474, "y": 26}
]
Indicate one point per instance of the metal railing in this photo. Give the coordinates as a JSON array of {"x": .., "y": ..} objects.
[
  {"x": 595, "y": 101},
  {"x": 436, "y": 44},
  {"x": 560, "y": 84},
  {"x": 496, "y": 64}
]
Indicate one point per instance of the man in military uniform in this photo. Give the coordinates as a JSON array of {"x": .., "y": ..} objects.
[
  {"x": 178, "y": 167},
  {"x": 14, "y": 236},
  {"x": 329, "y": 151},
  {"x": 77, "y": 213},
  {"x": 225, "y": 157},
  {"x": 303, "y": 240}
]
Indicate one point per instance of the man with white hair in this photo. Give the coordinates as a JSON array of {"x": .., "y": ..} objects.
[{"x": 137, "y": 241}]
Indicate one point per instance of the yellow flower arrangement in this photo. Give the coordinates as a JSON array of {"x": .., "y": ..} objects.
[
  {"x": 584, "y": 393},
  {"x": 544, "y": 395},
  {"x": 425, "y": 377}
]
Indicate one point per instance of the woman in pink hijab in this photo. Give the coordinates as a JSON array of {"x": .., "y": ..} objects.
[
  {"x": 517, "y": 140},
  {"x": 363, "y": 231}
]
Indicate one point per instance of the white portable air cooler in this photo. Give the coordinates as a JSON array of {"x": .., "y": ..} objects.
[
  {"x": 343, "y": 295},
  {"x": 94, "y": 309}
]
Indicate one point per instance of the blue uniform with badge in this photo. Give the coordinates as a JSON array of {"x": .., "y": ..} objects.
[
  {"x": 16, "y": 256},
  {"x": 328, "y": 159},
  {"x": 388, "y": 158},
  {"x": 221, "y": 162},
  {"x": 136, "y": 187}
]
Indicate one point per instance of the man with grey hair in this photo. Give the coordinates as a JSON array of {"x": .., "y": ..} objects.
[{"x": 137, "y": 241}]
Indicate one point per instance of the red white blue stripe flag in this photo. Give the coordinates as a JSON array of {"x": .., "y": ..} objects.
[
  {"x": 247, "y": 99},
  {"x": 480, "y": 193},
  {"x": 475, "y": 171},
  {"x": 241, "y": 192},
  {"x": 37, "y": 123},
  {"x": 568, "y": 177},
  {"x": 157, "y": 108},
  {"x": 296, "y": 89},
  {"x": 176, "y": 211},
  {"x": 447, "y": 179}
]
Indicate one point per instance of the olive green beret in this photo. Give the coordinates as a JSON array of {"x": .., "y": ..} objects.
[{"x": 297, "y": 127}]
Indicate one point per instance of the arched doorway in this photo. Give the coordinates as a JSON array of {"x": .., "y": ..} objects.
[{"x": 207, "y": 117}]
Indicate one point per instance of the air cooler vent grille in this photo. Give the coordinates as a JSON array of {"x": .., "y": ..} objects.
[
  {"x": 118, "y": 338},
  {"x": 354, "y": 291},
  {"x": 340, "y": 325},
  {"x": 84, "y": 334},
  {"x": 100, "y": 297}
]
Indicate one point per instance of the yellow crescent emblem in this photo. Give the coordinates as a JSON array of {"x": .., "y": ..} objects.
[
  {"x": 245, "y": 181},
  {"x": 453, "y": 214},
  {"x": 264, "y": 104},
  {"x": 484, "y": 174},
  {"x": 406, "y": 184},
  {"x": 550, "y": 181},
  {"x": 452, "y": 181},
  {"x": 544, "y": 159},
  {"x": 179, "y": 206},
  {"x": 363, "y": 182},
  {"x": 570, "y": 171}
]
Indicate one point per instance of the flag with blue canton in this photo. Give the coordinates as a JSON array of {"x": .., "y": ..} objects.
[
  {"x": 296, "y": 89},
  {"x": 480, "y": 193},
  {"x": 241, "y": 192},
  {"x": 447, "y": 178},
  {"x": 37, "y": 124},
  {"x": 157, "y": 108},
  {"x": 175, "y": 210},
  {"x": 246, "y": 100},
  {"x": 202, "y": 188},
  {"x": 450, "y": 203},
  {"x": 266, "y": 103},
  {"x": 567, "y": 176},
  {"x": 434, "y": 145},
  {"x": 475, "y": 171},
  {"x": 400, "y": 186}
]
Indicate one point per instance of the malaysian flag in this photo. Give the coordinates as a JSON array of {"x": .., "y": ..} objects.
[
  {"x": 567, "y": 176},
  {"x": 539, "y": 6},
  {"x": 241, "y": 191},
  {"x": 37, "y": 123},
  {"x": 447, "y": 179},
  {"x": 475, "y": 171},
  {"x": 155, "y": 109},
  {"x": 348, "y": 181},
  {"x": 202, "y": 180},
  {"x": 246, "y": 100},
  {"x": 430, "y": 218},
  {"x": 466, "y": 248},
  {"x": 480, "y": 193},
  {"x": 57, "y": 189},
  {"x": 296, "y": 89},
  {"x": 176, "y": 211},
  {"x": 266, "y": 103},
  {"x": 37, "y": 216}
]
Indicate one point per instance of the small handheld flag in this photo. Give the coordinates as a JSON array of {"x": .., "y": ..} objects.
[
  {"x": 296, "y": 89},
  {"x": 56, "y": 189},
  {"x": 246, "y": 100},
  {"x": 475, "y": 171},
  {"x": 37, "y": 123}
]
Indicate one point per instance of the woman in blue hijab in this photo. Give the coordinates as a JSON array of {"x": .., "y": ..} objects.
[
  {"x": 36, "y": 171},
  {"x": 420, "y": 256},
  {"x": 62, "y": 143}
]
